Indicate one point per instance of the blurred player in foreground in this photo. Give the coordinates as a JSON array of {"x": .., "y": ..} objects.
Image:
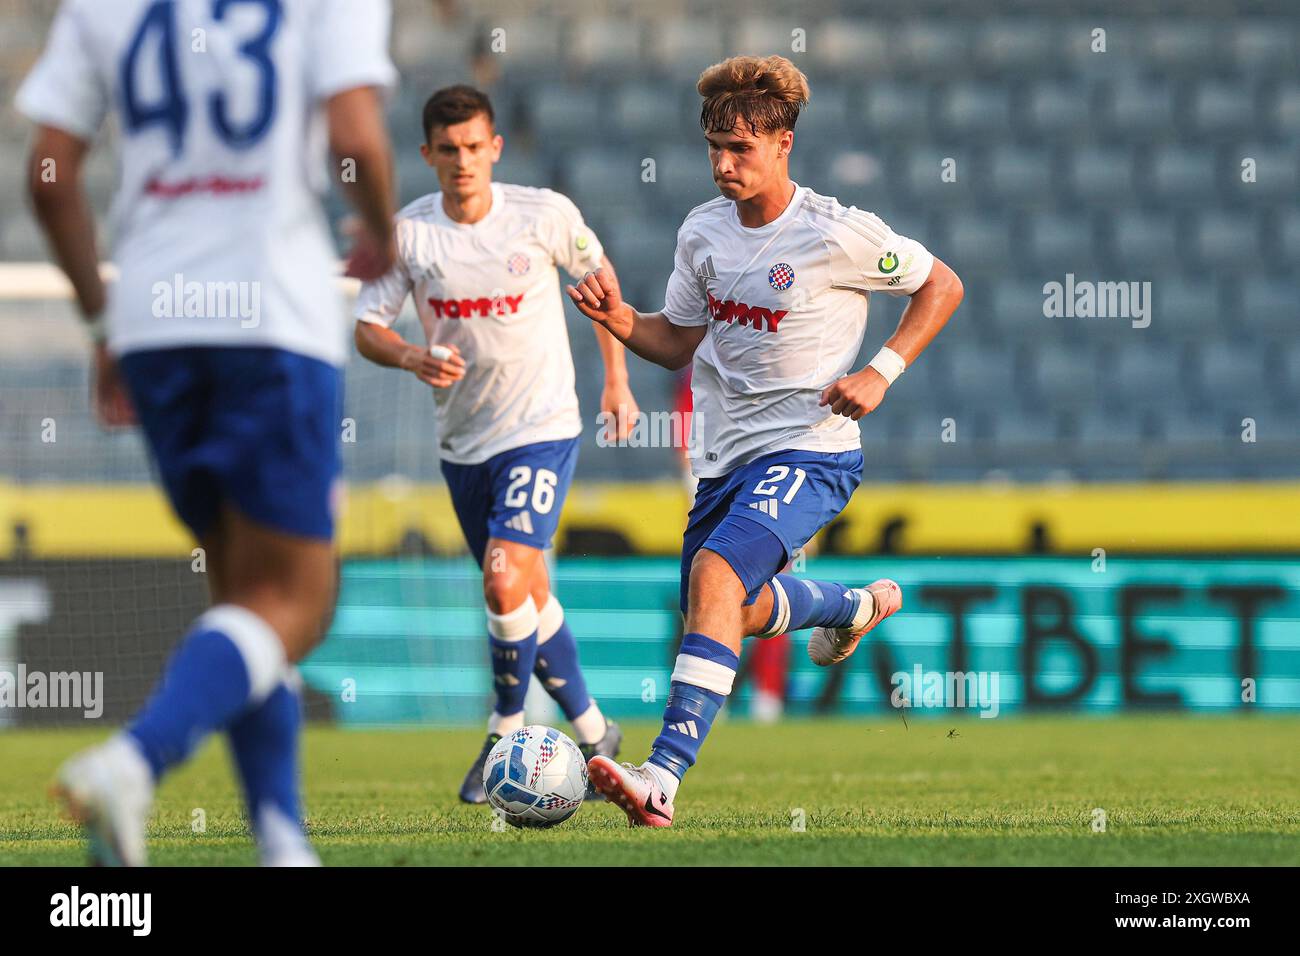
[
  {"x": 769, "y": 298},
  {"x": 224, "y": 338},
  {"x": 480, "y": 259}
]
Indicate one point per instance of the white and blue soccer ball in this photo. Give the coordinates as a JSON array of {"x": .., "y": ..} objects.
[{"x": 535, "y": 777}]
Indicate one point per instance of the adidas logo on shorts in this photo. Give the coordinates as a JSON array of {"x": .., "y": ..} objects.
[
  {"x": 767, "y": 506},
  {"x": 521, "y": 522}
]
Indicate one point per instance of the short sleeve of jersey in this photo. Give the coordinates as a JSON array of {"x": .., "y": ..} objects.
[
  {"x": 573, "y": 245},
  {"x": 380, "y": 300},
  {"x": 64, "y": 90},
  {"x": 684, "y": 301},
  {"x": 866, "y": 255},
  {"x": 348, "y": 47}
]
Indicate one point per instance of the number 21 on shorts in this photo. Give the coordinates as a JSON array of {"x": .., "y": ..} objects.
[
  {"x": 543, "y": 496},
  {"x": 770, "y": 485}
]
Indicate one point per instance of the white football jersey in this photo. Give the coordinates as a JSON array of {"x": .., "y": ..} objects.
[
  {"x": 786, "y": 307},
  {"x": 491, "y": 289},
  {"x": 219, "y": 234}
]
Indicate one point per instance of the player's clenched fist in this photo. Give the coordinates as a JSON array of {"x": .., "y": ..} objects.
[
  {"x": 855, "y": 395},
  {"x": 439, "y": 366},
  {"x": 597, "y": 297}
]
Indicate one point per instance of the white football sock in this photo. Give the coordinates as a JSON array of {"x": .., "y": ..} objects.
[
  {"x": 667, "y": 780},
  {"x": 504, "y": 726},
  {"x": 589, "y": 726}
]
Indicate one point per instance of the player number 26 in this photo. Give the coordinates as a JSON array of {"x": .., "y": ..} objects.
[
  {"x": 777, "y": 474},
  {"x": 543, "y": 489}
]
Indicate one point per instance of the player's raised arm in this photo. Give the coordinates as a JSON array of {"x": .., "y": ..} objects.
[
  {"x": 933, "y": 303},
  {"x": 359, "y": 138},
  {"x": 617, "y": 402},
  {"x": 649, "y": 335}
]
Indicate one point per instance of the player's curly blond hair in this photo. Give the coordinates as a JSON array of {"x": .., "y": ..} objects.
[{"x": 764, "y": 92}]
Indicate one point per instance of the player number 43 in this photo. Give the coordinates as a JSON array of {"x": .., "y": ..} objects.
[
  {"x": 543, "y": 488},
  {"x": 770, "y": 485}
]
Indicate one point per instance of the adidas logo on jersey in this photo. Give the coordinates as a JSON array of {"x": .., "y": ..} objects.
[
  {"x": 766, "y": 505},
  {"x": 756, "y": 316},
  {"x": 705, "y": 269},
  {"x": 686, "y": 728},
  {"x": 521, "y": 522}
]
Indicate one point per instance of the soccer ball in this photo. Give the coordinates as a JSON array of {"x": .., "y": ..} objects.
[{"x": 535, "y": 777}]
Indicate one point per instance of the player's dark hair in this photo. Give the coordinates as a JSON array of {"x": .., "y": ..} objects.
[
  {"x": 764, "y": 92},
  {"x": 455, "y": 104}
]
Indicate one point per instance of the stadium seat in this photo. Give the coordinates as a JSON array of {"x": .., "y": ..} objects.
[
  {"x": 1061, "y": 242},
  {"x": 1263, "y": 46},
  {"x": 1186, "y": 307},
  {"x": 1271, "y": 304},
  {"x": 1225, "y": 239},
  {"x": 1011, "y": 46},
  {"x": 854, "y": 46},
  {"x": 1286, "y": 110},
  {"x": 1276, "y": 173},
  {"x": 981, "y": 374},
  {"x": 1146, "y": 239},
  {"x": 564, "y": 113},
  {"x": 1184, "y": 173},
  {"x": 603, "y": 45},
  {"x": 1062, "y": 376},
  {"x": 1228, "y": 369},
  {"x": 1179, "y": 44},
  {"x": 979, "y": 110},
  {"x": 1015, "y": 308},
  {"x": 1143, "y": 371},
  {"x": 643, "y": 109},
  {"x": 532, "y": 43},
  {"x": 925, "y": 176},
  {"x": 927, "y": 46},
  {"x": 682, "y": 47},
  {"x": 1140, "y": 109},
  {"x": 891, "y": 108},
  {"x": 608, "y": 180},
  {"x": 1061, "y": 110},
  {"x": 1021, "y": 176},
  {"x": 1102, "y": 175},
  {"x": 976, "y": 242},
  {"x": 1288, "y": 232},
  {"x": 826, "y": 119},
  {"x": 1223, "y": 110},
  {"x": 522, "y": 168},
  {"x": 687, "y": 179}
]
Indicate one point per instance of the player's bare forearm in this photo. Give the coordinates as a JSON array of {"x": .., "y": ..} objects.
[
  {"x": 62, "y": 209},
  {"x": 612, "y": 354},
  {"x": 931, "y": 307},
  {"x": 383, "y": 346},
  {"x": 359, "y": 141},
  {"x": 649, "y": 335},
  {"x": 658, "y": 340}
]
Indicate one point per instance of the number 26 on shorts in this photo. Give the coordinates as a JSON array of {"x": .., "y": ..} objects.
[{"x": 543, "y": 489}]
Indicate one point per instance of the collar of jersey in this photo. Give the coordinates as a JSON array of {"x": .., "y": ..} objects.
[
  {"x": 441, "y": 217},
  {"x": 786, "y": 214}
]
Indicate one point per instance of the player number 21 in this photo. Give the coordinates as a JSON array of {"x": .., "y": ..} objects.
[
  {"x": 543, "y": 489},
  {"x": 777, "y": 474}
]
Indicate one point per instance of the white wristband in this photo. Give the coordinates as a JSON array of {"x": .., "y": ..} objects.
[{"x": 888, "y": 363}]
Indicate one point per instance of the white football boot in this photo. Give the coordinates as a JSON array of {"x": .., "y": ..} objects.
[
  {"x": 635, "y": 789},
  {"x": 108, "y": 789},
  {"x": 830, "y": 645}
]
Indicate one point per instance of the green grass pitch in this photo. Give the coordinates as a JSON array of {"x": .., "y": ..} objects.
[{"x": 1175, "y": 790}]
